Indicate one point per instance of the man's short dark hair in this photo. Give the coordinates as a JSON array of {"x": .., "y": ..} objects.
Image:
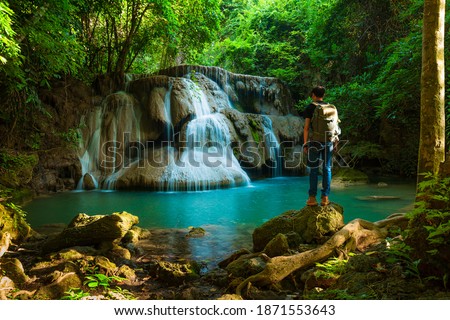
[{"x": 318, "y": 91}]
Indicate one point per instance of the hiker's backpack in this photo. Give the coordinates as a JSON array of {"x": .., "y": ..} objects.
[{"x": 325, "y": 123}]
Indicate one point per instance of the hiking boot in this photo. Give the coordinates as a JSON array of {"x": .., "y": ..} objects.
[
  {"x": 311, "y": 201},
  {"x": 324, "y": 201}
]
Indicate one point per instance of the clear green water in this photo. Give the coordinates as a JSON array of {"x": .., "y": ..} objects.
[{"x": 228, "y": 215}]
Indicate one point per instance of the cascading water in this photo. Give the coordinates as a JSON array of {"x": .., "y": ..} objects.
[
  {"x": 111, "y": 128},
  {"x": 169, "y": 132},
  {"x": 186, "y": 130},
  {"x": 208, "y": 161},
  {"x": 273, "y": 145}
]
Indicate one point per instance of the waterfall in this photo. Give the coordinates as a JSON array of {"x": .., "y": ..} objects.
[
  {"x": 185, "y": 129},
  {"x": 208, "y": 161},
  {"x": 273, "y": 145},
  {"x": 169, "y": 132},
  {"x": 111, "y": 129}
]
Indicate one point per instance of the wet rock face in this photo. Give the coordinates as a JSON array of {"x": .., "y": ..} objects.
[
  {"x": 209, "y": 128},
  {"x": 126, "y": 117},
  {"x": 251, "y": 94},
  {"x": 310, "y": 224}
]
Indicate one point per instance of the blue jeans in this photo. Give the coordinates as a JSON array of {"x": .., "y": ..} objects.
[{"x": 320, "y": 154}]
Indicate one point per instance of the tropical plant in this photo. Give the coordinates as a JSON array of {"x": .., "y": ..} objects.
[
  {"x": 99, "y": 280},
  {"x": 9, "y": 48},
  {"x": 428, "y": 232},
  {"x": 331, "y": 268},
  {"x": 75, "y": 294}
]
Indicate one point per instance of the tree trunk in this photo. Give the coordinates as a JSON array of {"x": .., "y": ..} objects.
[{"x": 432, "y": 121}]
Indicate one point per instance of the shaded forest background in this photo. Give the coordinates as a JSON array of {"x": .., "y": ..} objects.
[{"x": 366, "y": 53}]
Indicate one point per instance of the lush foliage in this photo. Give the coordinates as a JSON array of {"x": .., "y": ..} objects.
[
  {"x": 101, "y": 283},
  {"x": 9, "y": 48},
  {"x": 143, "y": 35},
  {"x": 42, "y": 41},
  {"x": 265, "y": 38},
  {"x": 428, "y": 234},
  {"x": 367, "y": 54}
]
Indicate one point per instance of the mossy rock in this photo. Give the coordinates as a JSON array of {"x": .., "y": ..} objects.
[
  {"x": 349, "y": 175},
  {"x": 134, "y": 235},
  {"x": 16, "y": 168},
  {"x": 118, "y": 254},
  {"x": 12, "y": 220},
  {"x": 74, "y": 253},
  {"x": 105, "y": 266},
  {"x": 174, "y": 273},
  {"x": 311, "y": 224},
  {"x": 13, "y": 269},
  {"x": 245, "y": 266},
  {"x": 69, "y": 255},
  {"x": 234, "y": 256},
  {"x": 126, "y": 272},
  {"x": 278, "y": 246},
  {"x": 196, "y": 233},
  {"x": 58, "y": 288},
  {"x": 86, "y": 230}
]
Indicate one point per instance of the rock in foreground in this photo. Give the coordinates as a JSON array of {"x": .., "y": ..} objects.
[
  {"x": 87, "y": 230},
  {"x": 308, "y": 225}
]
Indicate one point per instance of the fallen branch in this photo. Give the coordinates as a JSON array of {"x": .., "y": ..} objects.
[{"x": 357, "y": 234}]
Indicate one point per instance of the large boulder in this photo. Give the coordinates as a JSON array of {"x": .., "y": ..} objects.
[
  {"x": 88, "y": 182},
  {"x": 147, "y": 173},
  {"x": 13, "y": 269},
  {"x": 310, "y": 224},
  {"x": 86, "y": 230},
  {"x": 245, "y": 266}
]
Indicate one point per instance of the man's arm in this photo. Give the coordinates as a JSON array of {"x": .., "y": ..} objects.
[{"x": 306, "y": 132}]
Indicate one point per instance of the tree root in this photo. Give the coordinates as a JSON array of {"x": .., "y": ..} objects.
[{"x": 357, "y": 234}]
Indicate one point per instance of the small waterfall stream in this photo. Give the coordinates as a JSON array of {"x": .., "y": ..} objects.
[
  {"x": 208, "y": 161},
  {"x": 112, "y": 127},
  {"x": 169, "y": 132},
  {"x": 271, "y": 141}
]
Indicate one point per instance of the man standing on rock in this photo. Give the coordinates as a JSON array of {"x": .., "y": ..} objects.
[{"x": 320, "y": 135}]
